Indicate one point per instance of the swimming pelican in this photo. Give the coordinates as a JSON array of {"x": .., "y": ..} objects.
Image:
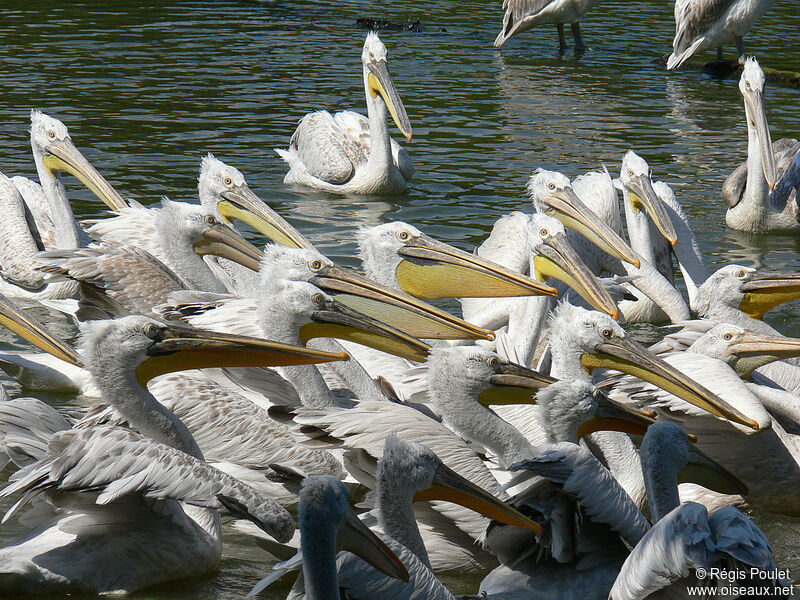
[
  {"x": 126, "y": 279},
  {"x": 223, "y": 193},
  {"x": 409, "y": 473},
  {"x": 329, "y": 527},
  {"x": 53, "y": 153},
  {"x": 521, "y": 15},
  {"x": 684, "y": 537},
  {"x": 747, "y": 189},
  {"x": 546, "y": 255},
  {"x": 110, "y": 537},
  {"x": 658, "y": 229},
  {"x": 346, "y": 153},
  {"x": 705, "y": 24}
]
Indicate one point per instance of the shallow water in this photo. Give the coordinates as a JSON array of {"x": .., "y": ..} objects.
[{"x": 147, "y": 93}]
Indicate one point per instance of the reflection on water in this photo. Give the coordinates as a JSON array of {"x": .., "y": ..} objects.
[{"x": 147, "y": 93}]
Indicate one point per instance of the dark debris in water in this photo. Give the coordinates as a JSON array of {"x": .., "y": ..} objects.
[
  {"x": 383, "y": 25},
  {"x": 731, "y": 69}
]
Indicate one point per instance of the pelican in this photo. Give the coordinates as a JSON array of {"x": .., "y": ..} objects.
[
  {"x": 49, "y": 222},
  {"x": 328, "y": 526},
  {"x": 705, "y": 24},
  {"x": 684, "y": 537},
  {"x": 127, "y": 279},
  {"x": 658, "y": 228},
  {"x": 224, "y": 194},
  {"x": 409, "y": 473},
  {"x": 162, "y": 495},
  {"x": 346, "y": 153},
  {"x": 521, "y": 15},
  {"x": 547, "y": 255},
  {"x": 747, "y": 189}
]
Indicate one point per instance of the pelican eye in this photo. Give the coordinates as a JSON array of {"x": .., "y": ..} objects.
[
  {"x": 228, "y": 182},
  {"x": 51, "y": 134},
  {"x": 210, "y": 220},
  {"x": 551, "y": 186},
  {"x": 318, "y": 299},
  {"x": 630, "y": 172},
  {"x": 727, "y": 336},
  {"x": 404, "y": 236},
  {"x": 740, "y": 274},
  {"x": 151, "y": 330},
  {"x": 493, "y": 362},
  {"x": 371, "y": 55},
  {"x": 747, "y": 85},
  {"x": 315, "y": 265},
  {"x": 543, "y": 232},
  {"x": 606, "y": 332}
]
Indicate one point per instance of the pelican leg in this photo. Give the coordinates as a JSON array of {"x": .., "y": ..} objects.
[
  {"x": 576, "y": 33},
  {"x": 740, "y": 48},
  {"x": 562, "y": 39}
]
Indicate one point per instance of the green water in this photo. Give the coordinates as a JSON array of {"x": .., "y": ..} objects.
[{"x": 147, "y": 93}]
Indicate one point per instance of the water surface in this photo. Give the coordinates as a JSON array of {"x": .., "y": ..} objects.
[{"x": 147, "y": 93}]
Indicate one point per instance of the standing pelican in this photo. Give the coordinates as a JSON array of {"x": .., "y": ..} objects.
[
  {"x": 747, "y": 188},
  {"x": 705, "y": 24},
  {"x": 119, "y": 509},
  {"x": 346, "y": 153},
  {"x": 521, "y": 15}
]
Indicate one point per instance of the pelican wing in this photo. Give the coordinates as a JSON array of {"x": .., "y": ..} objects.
[
  {"x": 34, "y": 198},
  {"x": 579, "y": 474},
  {"x": 327, "y": 151},
  {"x": 357, "y": 125},
  {"x": 365, "y": 426},
  {"x": 134, "y": 225},
  {"x": 693, "y": 18},
  {"x": 677, "y": 544},
  {"x": 519, "y": 16},
  {"x": 734, "y": 184},
  {"x": 116, "y": 462},
  {"x": 17, "y": 243},
  {"x": 117, "y": 280},
  {"x": 26, "y": 426},
  {"x": 740, "y": 538},
  {"x": 228, "y": 427}
]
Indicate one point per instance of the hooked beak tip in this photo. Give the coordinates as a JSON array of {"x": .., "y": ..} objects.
[
  {"x": 693, "y": 438},
  {"x": 408, "y": 137},
  {"x": 615, "y": 314},
  {"x": 638, "y": 264},
  {"x": 771, "y": 187},
  {"x": 673, "y": 241}
]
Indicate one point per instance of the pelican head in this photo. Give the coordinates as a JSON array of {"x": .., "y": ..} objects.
[
  {"x": 555, "y": 257},
  {"x": 393, "y": 307},
  {"x": 224, "y": 191},
  {"x": 751, "y": 84},
  {"x": 753, "y": 292},
  {"x": 292, "y": 306},
  {"x": 637, "y": 179},
  {"x": 668, "y": 459},
  {"x": 463, "y": 373},
  {"x": 573, "y": 409},
  {"x": 327, "y": 526},
  {"x": 150, "y": 348},
  {"x": 52, "y": 144},
  {"x": 180, "y": 222},
  {"x": 600, "y": 342},
  {"x": 378, "y": 82},
  {"x": 552, "y": 193},
  {"x": 413, "y": 472},
  {"x": 399, "y": 255},
  {"x": 744, "y": 350}
]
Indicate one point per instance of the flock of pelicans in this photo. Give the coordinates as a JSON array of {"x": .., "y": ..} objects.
[{"x": 233, "y": 380}]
